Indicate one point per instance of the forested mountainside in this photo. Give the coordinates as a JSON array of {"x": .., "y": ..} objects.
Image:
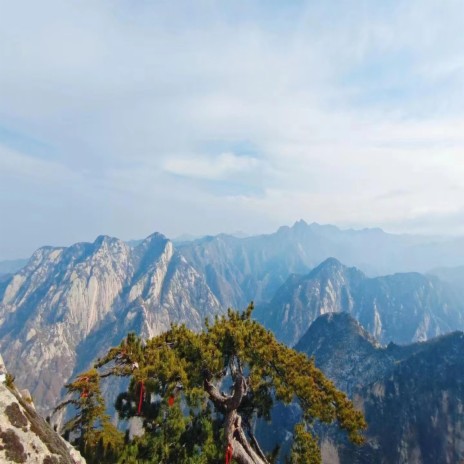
[
  {"x": 403, "y": 307},
  {"x": 412, "y": 396}
]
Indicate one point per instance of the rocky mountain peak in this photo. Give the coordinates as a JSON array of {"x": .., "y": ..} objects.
[
  {"x": 301, "y": 299},
  {"x": 332, "y": 268},
  {"x": 300, "y": 224},
  {"x": 336, "y": 328},
  {"x": 65, "y": 296},
  {"x": 403, "y": 307},
  {"x": 339, "y": 343},
  {"x": 328, "y": 267}
]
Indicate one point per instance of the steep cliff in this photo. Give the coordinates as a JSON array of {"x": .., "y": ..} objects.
[
  {"x": 402, "y": 307},
  {"x": 69, "y": 304},
  {"x": 25, "y": 437}
]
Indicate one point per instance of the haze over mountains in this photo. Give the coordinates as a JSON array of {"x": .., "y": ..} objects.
[
  {"x": 404, "y": 307},
  {"x": 68, "y": 305},
  {"x": 373, "y": 251},
  {"x": 11, "y": 266}
]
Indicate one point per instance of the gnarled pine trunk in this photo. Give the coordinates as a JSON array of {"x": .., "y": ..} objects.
[{"x": 242, "y": 451}]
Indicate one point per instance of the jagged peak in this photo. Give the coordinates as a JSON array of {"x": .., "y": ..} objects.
[
  {"x": 155, "y": 243},
  {"x": 301, "y": 223},
  {"x": 41, "y": 255},
  {"x": 343, "y": 320},
  {"x": 301, "y": 226},
  {"x": 333, "y": 323},
  {"x": 106, "y": 241},
  {"x": 331, "y": 262},
  {"x": 332, "y": 265},
  {"x": 44, "y": 250},
  {"x": 150, "y": 249},
  {"x": 102, "y": 239},
  {"x": 154, "y": 237},
  {"x": 328, "y": 265}
]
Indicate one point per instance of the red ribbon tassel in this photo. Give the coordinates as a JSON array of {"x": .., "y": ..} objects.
[
  {"x": 139, "y": 410},
  {"x": 85, "y": 392},
  {"x": 229, "y": 452}
]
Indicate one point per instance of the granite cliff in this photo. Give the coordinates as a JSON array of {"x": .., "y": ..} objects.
[{"x": 403, "y": 307}]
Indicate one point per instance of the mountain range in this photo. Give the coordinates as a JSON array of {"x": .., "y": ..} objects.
[
  {"x": 70, "y": 304},
  {"x": 403, "y": 307}
]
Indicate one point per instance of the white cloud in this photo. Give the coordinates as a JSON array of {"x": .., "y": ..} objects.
[
  {"x": 215, "y": 167},
  {"x": 341, "y": 104}
]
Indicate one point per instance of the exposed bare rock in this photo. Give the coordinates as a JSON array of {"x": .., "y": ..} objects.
[
  {"x": 25, "y": 437},
  {"x": 402, "y": 308},
  {"x": 68, "y": 305}
]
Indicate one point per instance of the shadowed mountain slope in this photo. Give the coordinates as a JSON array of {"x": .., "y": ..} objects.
[{"x": 412, "y": 396}]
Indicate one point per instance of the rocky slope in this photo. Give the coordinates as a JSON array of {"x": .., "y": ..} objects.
[
  {"x": 52, "y": 310},
  {"x": 25, "y": 437},
  {"x": 412, "y": 396},
  {"x": 401, "y": 307}
]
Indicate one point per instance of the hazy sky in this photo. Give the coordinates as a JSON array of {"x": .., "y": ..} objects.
[{"x": 126, "y": 117}]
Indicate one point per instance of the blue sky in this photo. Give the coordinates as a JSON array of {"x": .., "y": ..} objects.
[{"x": 200, "y": 117}]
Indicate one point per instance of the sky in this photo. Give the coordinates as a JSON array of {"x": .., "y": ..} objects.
[{"x": 126, "y": 117}]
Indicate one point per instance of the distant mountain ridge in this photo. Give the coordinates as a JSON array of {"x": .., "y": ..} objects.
[
  {"x": 241, "y": 269},
  {"x": 402, "y": 307}
]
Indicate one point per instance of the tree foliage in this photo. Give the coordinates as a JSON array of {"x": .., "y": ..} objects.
[
  {"x": 199, "y": 394},
  {"x": 90, "y": 429}
]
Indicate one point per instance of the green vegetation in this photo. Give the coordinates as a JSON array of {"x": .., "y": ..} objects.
[
  {"x": 96, "y": 437},
  {"x": 199, "y": 394},
  {"x": 9, "y": 380}
]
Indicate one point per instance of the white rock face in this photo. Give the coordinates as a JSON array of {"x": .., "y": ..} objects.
[
  {"x": 74, "y": 303},
  {"x": 402, "y": 308},
  {"x": 26, "y": 438}
]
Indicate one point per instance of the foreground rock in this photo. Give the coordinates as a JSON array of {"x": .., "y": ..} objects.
[{"x": 25, "y": 437}]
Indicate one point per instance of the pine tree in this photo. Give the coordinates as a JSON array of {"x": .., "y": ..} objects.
[
  {"x": 90, "y": 427},
  {"x": 228, "y": 375}
]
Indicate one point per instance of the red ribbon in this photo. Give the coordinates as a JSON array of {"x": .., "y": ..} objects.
[
  {"x": 140, "y": 399},
  {"x": 171, "y": 401},
  {"x": 229, "y": 452}
]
